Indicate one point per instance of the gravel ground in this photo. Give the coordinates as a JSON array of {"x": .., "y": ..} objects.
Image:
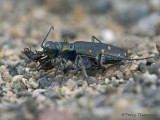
[{"x": 129, "y": 90}]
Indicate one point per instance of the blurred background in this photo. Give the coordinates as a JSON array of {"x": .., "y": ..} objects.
[
  {"x": 27, "y": 22},
  {"x": 133, "y": 25}
]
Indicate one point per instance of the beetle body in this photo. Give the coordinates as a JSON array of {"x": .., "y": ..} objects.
[
  {"x": 90, "y": 50},
  {"x": 86, "y": 54}
]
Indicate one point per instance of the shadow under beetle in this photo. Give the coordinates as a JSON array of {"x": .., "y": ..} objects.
[{"x": 83, "y": 54}]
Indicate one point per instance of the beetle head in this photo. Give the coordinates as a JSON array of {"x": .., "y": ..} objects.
[{"x": 50, "y": 49}]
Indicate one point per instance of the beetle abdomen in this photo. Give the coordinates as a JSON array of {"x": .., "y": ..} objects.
[{"x": 91, "y": 49}]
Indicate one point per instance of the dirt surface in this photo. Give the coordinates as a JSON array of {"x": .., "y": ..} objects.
[{"x": 129, "y": 90}]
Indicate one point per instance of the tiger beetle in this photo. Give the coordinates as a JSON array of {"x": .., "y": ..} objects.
[{"x": 83, "y": 54}]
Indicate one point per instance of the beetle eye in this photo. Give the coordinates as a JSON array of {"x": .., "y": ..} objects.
[{"x": 51, "y": 49}]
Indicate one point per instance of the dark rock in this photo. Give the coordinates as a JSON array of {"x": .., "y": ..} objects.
[
  {"x": 122, "y": 68},
  {"x": 44, "y": 83},
  {"x": 151, "y": 61},
  {"x": 24, "y": 94},
  {"x": 110, "y": 90},
  {"x": 151, "y": 98},
  {"x": 49, "y": 93},
  {"x": 101, "y": 82},
  {"x": 153, "y": 69},
  {"x": 92, "y": 80},
  {"x": 20, "y": 115},
  {"x": 80, "y": 83},
  {"x": 148, "y": 24},
  {"x": 142, "y": 67},
  {"x": 68, "y": 34},
  {"x": 13, "y": 72},
  {"x": 101, "y": 6},
  {"x": 55, "y": 83},
  {"x": 59, "y": 79},
  {"x": 156, "y": 28},
  {"x": 127, "y": 76},
  {"x": 130, "y": 88},
  {"x": 83, "y": 115},
  {"x": 20, "y": 70},
  {"x": 130, "y": 42},
  {"x": 100, "y": 101},
  {"x": 119, "y": 75},
  {"x": 146, "y": 79},
  {"x": 17, "y": 85},
  {"x": 130, "y": 11},
  {"x": 158, "y": 46}
]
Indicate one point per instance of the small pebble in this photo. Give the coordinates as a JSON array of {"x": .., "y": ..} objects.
[
  {"x": 101, "y": 82},
  {"x": 110, "y": 90},
  {"x": 24, "y": 94},
  {"x": 80, "y": 83},
  {"x": 17, "y": 85},
  {"x": 17, "y": 78},
  {"x": 66, "y": 90},
  {"x": 38, "y": 91},
  {"x": 107, "y": 81},
  {"x": 44, "y": 83},
  {"x": 158, "y": 46},
  {"x": 119, "y": 75},
  {"x": 113, "y": 79},
  {"x": 50, "y": 93},
  {"x": 20, "y": 70},
  {"x": 101, "y": 6},
  {"x": 59, "y": 78},
  {"x": 25, "y": 82},
  {"x": 150, "y": 78},
  {"x": 1, "y": 79},
  {"x": 121, "y": 81},
  {"x": 92, "y": 80},
  {"x": 41, "y": 98},
  {"x": 71, "y": 83},
  {"x": 107, "y": 36},
  {"x": 33, "y": 83},
  {"x": 12, "y": 71},
  {"x": 142, "y": 67},
  {"x": 101, "y": 88}
]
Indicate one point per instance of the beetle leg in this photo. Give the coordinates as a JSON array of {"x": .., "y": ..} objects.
[
  {"x": 66, "y": 39},
  {"x": 95, "y": 38},
  {"x": 55, "y": 74},
  {"x": 59, "y": 64},
  {"x": 78, "y": 57},
  {"x": 63, "y": 64},
  {"x": 46, "y": 64},
  {"x": 76, "y": 61},
  {"x": 99, "y": 58}
]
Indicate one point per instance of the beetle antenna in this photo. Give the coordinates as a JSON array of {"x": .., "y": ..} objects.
[
  {"x": 123, "y": 58},
  {"x": 46, "y": 36},
  {"x": 141, "y": 58}
]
